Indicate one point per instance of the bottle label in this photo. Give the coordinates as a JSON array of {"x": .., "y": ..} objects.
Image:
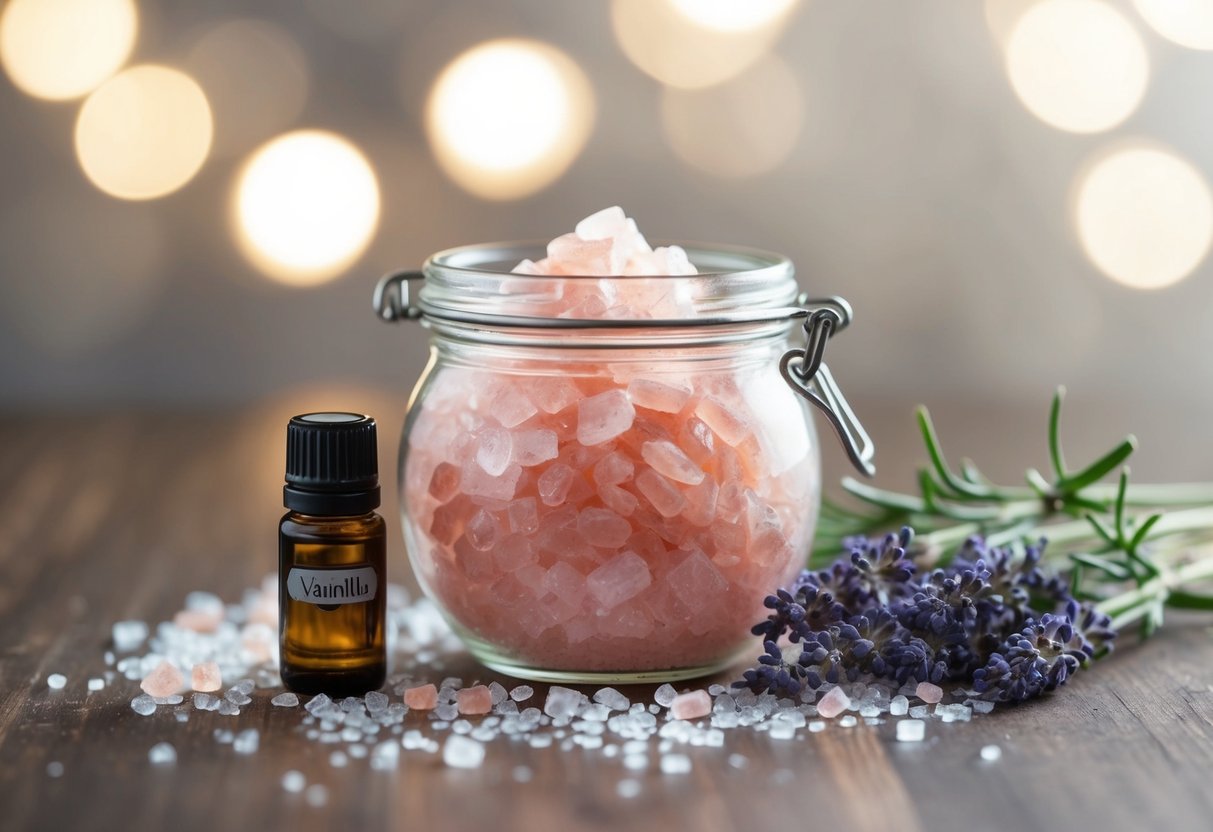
[{"x": 332, "y": 587}]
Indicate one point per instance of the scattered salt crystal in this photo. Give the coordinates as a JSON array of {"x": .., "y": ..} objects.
[
  {"x": 691, "y": 705},
  {"x": 911, "y": 730},
  {"x": 247, "y": 741},
  {"x": 285, "y": 700},
  {"x": 164, "y": 680},
  {"x": 54, "y": 769},
  {"x": 675, "y": 764},
  {"x": 898, "y": 705},
  {"x": 928, "y": 692},
  {"x": 143, "y": 705},
  {"x": 317, "y": 795},
  {"x": 665, "y": 695},
  {"x": 462, "y": 752},
  {"x": 206, "y": 677},
  {"x": 293, "y": 782},
  {"x": 128, "y": 635},
  {"x": 56, "y": 681},
  {"x": 421, "y": 698},
  {"x": 628, "y": 788},
  {"x": 991, "y": 753},
  {"x": 613, "y": 699},
  {"x": 162, "y": 754},
  {"x": 96, "y": 683},
  {"x": 833, "y": 703},
  {"x": 562, "y": 702},
  {"x": 376, "y": 702}
]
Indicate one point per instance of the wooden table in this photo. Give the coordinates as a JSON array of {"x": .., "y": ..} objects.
[{"x": 107, "y": 517}]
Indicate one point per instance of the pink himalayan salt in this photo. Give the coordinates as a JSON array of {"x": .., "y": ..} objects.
[
  {"x": 665, "y": 396},
  {"x": 205, "y": 677},
  {"x": 421, "y": 698},
  {"x": 164, "y": 680},
  {"x": 200, "y": 621},
  {"x": 928, "y": 692},
  {"x": 691, "y": 705},
  {"x": 603, "y": 417},
  {"x": 833, "y": 703},
  {"x": 474, "y": 701},
  {"x": 669, "y": 460}
]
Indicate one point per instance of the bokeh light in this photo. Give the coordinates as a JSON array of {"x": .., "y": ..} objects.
[
  {"x": 731, "y": 15},
  {"x": 306, "y": 206},
  {"x": 1144, "y": 216},
  {"x": 744, "y": 127},
  {"x": 60, "y": 49},
  {"x": 508, "y": 117},
  {"x": 1186, "y": 22},
  {"x": 256, "y": 78},
  {"x": 1077, "y": 65},
  {"x": 144, "y": 133},
  {"x": 668, "y": 45}
]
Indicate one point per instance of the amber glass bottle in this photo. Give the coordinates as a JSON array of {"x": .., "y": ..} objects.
[{"x": 332, "y": 558}]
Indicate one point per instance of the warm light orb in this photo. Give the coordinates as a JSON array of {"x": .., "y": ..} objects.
[
  {"x": 680, "y": 51},
  {"x": 745, "y": 127},
  {"x": 144, "y": 133},
  {"x": 1077, "y": 65},
  {"x": 60, "y": 49},
  {"x": 731, "y": 15},
  {"x": 1186, "y": 22},
  {"x": 508, "y": 117},
  {"x": 1144, "y": 216},
  {"x": 306, "y": 206}
]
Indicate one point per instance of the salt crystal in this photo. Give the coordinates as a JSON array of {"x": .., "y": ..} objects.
[
  {"x": 522, "y": 693},
  {"x": 627, "y": 788},
  {"x": 475, "y": 700},
  {"x": 164, "y": 680},
  {"x": 669, "y": 460},
  {"x": 665, "y": 695},
  {"x": 833, "y": 703},
  {"x": 928, "y": 692},
  {"x": 317, "y": 795},
  {"x": 691, "y": 705},
  {"x": 898, "y": 706},
  {"x": 675, "y": 764},
  {"x": 143, "y": 705},
  {"x": 493, "y": 450},
  {"x": 612, "y": 699},
  {"x": 56, "y": 681},
  {"x": 991, "y": 753},
  {"x": 128, "y": 635},
  {"x": 376, "y": 702},
  {"x": 247, "y": 741},
  {"x": 293, "y": 782},
  {"x": 162, "y": 754},
  {"x": 54, "y": 769},
  {"x": 96, "y": 683},
  {"x": 603, "y": 417},
  {"x": 911, "y": 730},
  {"x": 562, "y": 702},
  {"x": 285, "y": 700},
  {"x": 205, "y": 677},
  {"x": 421, "y": 698},
  {"x": 462, "y": 752}
]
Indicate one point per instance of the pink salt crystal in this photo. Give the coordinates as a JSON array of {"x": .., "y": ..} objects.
[
  {"x": 554, "y": 483},
  {"x": 665, "y": 396},
  {"x": 605, "y": 224},
  {"x": 833, "y": 703},
  {"x": 523, "y": 515},
  {"x": 482, "y": 530},
  {"x": 493, "y": 449},
  {"x": 205, "y": 677},
  {"x": 722, "y": 420},
  {"x": 422, "y": 698},
  {"x": 928, "y": 692},
  {"x": 617, "y": 500},
  {"x": 532, "y": 447},
  {"x": 667, "y": 459},
  {"x": 164, "y": 680},
  {"x": 663, "y": 496},
  {"x": 691, "y": 705},
  {"x": 552, "y": 395},
  {"x": 200, "y": 621},
  {"x": 444, "y": 483},
  {"x": 613, "y": 469},
  {"x": 619, "y": 579},
  {"x": 603, "y": 528},
  {"x": 603, "y": 417},
  {"x": 474, "y": 701}
]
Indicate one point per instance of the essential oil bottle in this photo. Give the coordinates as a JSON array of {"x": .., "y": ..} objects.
[{"x": 332, "y": 556}]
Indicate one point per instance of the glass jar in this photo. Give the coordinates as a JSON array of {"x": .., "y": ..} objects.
[{"x": 590, "y": 493}]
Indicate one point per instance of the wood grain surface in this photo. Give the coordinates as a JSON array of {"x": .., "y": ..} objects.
[{"x": 107, "y": 517}]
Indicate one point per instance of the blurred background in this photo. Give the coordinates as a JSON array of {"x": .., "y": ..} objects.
[{"x": 197, "y": 199}]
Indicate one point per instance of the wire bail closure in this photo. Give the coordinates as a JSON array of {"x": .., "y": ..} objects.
[
  {"x": 396, "y": 299},
  {"x": 809, "y": 377}
]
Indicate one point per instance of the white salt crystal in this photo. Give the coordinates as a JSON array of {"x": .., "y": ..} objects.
[
  {"x": 899, "y": 705},
  {"x": 56, "y": 681},
  {"x": 462, "y": 752},
  {"x": 562, "y": 702},
  {"x": 96, "y": 683},
  {"x": 376, "y": 702},
  {"x": 675, "y": 764},
  {"x": 293, "y": 782},
  {"x": 143, "y": 705},
  {"x": 628, "y": 788},
  {"x": 317, "y": 795},
  {"x": 128, "y": 635},
  {"x": 991, "y": 753},
  {"x": 911, "y": 730},
  {"x": 162, "y": 754},
  {"x": 613, "y": 699},
  {"x": 54, "y": 769},
  {"x": 247, "y": 741},
  {"x": 284, "y": 700}
]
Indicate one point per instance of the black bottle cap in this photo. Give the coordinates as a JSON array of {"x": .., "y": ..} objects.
[{"x": 332, "y": 465}]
